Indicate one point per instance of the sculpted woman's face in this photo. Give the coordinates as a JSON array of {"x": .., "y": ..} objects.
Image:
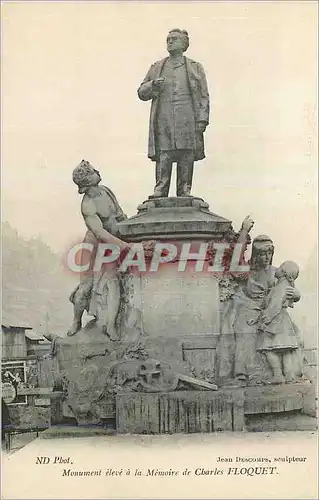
[{"x": 264, "y": 257}]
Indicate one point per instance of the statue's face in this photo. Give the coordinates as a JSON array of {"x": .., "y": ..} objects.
[
  {"x": 264, "y": 257},
  {"x": 175, "y": 42},
  {"x": 95, "y": 178}
]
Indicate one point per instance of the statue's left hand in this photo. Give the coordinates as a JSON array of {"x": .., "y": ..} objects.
[
  {"x": 292, "y": 293},
  {"x": 201, "y": 127}
]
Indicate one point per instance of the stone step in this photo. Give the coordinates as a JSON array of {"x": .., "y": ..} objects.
[
  {"x": 65, "y": 431},
  {"x": 287, "y": 421},
  {"x": 281, "y": 398}
]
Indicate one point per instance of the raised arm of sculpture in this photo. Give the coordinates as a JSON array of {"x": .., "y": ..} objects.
[{"x": 245, "y": 229}]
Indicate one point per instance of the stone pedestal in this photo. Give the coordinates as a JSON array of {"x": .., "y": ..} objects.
[
  {"x": 186, "y": 219},
  {"x": 223, "y": 410},
  {"x": 180, "y": 299},
  {"x": 179, "y": 303},
  {"x": 160, "y": 375},
  {"x": 180, "y": 412}
]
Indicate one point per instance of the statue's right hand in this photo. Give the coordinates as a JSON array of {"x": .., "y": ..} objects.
[
  {"x": 248, "y": 223},
  {"x": 158, "y": 84}
]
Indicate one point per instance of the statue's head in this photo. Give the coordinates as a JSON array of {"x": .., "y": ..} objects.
[
  {"x": 262, "y": 252},
  {"x": 85, "y": 176},
  {"x": 177, "y": 41},
  {"x": 288, "y": 270}
]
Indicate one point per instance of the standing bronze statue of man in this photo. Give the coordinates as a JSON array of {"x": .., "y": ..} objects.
[{"x": 179, "y": 115}]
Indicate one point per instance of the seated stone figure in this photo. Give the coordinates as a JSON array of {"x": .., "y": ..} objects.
[{"x": 101, "y": 213}]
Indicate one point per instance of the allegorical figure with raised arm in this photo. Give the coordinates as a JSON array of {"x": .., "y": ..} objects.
[{"x": 179, "y": 114}]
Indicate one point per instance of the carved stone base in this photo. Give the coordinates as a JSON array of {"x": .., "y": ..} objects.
[
  {"x": 180, "y": 412},
  {"x": 174, "y": 218},
  {"x": 91, "y": 370},
  {"x": 224, "y": 410},
  {"x": 159, "y": 385},
  {"x": 281, "y": 398}
]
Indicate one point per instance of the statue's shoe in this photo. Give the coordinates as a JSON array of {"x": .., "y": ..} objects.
[{"x": 157, "y": 194}]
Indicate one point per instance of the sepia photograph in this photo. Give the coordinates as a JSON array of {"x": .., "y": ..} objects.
[{"x": 159, "y": 249}]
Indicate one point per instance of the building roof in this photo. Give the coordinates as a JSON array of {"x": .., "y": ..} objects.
[
  {"x": 32, "y": 335},
  {"x": 28, "y": 332},
  {"x": 9, "y": 321}
]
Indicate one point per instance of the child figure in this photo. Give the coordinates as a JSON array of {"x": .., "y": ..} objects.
[{"x": 279, "y": 337}]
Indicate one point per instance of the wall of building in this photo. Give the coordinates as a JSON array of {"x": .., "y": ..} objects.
[
  {"x": 13, "y": 343},
  {"x": 27, "y": 380}
]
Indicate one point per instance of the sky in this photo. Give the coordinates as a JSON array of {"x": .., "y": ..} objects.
[{"x": 70, "y": 73}]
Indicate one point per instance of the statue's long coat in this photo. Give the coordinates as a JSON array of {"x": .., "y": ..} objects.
[{"x": 200, "y": 98}]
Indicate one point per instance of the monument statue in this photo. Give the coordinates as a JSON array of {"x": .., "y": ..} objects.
[
  {"x": 179, "y": 114},
  {"x": 101, "y": 213},
  {"x": 279, "y": 337},
  {"x": 180, "y": 320},
  {"x": 243, "y": 310}
]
